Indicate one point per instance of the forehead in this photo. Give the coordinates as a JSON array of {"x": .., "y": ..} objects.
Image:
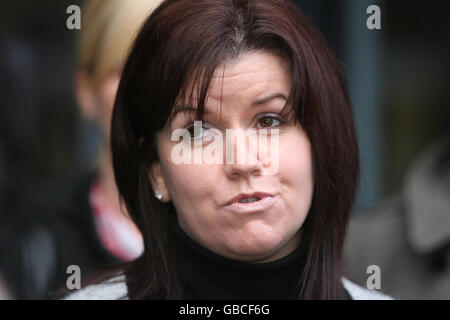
[{"x": 247, "y": 78}]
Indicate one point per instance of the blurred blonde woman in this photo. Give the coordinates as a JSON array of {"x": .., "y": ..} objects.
[
  {"x": 95, "y": 232},
  {"x": 108, "y": 30}
]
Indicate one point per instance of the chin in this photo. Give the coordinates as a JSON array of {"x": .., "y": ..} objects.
[{"x": 255, "y": 247}]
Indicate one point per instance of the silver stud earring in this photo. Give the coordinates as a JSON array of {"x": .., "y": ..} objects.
[{"x": 158, "y": 195}]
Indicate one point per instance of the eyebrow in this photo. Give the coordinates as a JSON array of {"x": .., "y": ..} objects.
[
  {"x": 257, "y": 102},
  {"x": 268, "y": 98}
]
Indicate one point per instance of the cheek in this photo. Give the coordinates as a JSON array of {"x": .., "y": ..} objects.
[
  {"x": 296, "y": 171},
  {"x": 189, "y": 185},
  {"x": 107, "y": 95},
  {"x": 108, "y": 92},
  {"x": 191, "y": 180}
]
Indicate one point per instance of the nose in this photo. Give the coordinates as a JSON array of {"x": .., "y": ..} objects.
[{"x": 241, "y": 158}]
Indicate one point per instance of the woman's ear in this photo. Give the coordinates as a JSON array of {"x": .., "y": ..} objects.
[
  {"x": 85, "y": 95},
  {"x": 158, "y": 183}
]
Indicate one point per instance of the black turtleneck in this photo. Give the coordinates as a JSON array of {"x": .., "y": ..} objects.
[{"x": 206, "y": 275}]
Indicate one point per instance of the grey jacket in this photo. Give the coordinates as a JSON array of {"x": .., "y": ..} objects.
[{"x": 408, "y": 236}]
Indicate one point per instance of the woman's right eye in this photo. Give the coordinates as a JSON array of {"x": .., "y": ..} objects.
[{"x": 199, "y": 130}]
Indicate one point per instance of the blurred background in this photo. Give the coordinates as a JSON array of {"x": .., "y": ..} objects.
[{"x": 398, "y": 78}]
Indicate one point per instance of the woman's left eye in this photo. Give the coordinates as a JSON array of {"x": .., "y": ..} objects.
[{"x": 269, "y": 121}]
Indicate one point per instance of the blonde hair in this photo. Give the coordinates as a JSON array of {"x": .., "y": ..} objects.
[{"x": 107, "y": 32}]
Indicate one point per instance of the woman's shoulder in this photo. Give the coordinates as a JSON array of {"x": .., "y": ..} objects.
[
  {"x": 359, "y": 293},
  {"x": 112, "y": 289}
]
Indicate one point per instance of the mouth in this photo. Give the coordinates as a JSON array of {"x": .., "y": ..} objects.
[{"x": 248, "y": 203}]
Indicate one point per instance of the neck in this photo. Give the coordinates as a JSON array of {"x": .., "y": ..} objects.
[{"x": 206, "y": 275}]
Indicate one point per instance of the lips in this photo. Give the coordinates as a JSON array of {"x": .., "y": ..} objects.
[
  {"x": 258, "y": 195},
  {"x": 264, "y": 202}
]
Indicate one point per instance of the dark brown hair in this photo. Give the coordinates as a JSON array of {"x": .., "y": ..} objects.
[{"x": 184, "y": 41}]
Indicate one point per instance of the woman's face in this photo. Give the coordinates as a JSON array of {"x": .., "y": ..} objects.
[
  {"x": 106, "y": 96},
  {"x": 254, "y": 232},
  {"x": 97, "y": 102}
]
